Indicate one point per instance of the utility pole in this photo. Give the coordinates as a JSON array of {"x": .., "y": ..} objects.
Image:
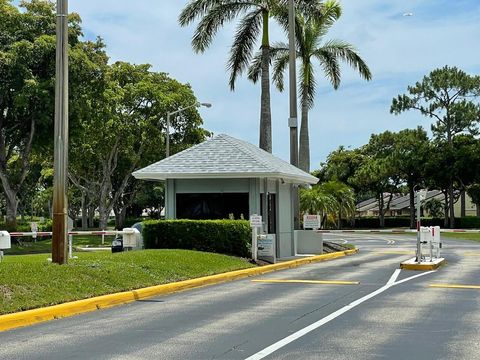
[
  {"x": 59, "y": 241},
  {"x": 293, "y": 120}
]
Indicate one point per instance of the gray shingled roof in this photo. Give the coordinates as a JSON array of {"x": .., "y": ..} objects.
[{"x": 224, "y": 157}]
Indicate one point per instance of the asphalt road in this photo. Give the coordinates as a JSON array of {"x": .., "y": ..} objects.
[{"x": 384, "y": 313}]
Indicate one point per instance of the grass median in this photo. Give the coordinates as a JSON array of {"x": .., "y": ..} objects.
[
  {"x": 44, "y": 246},
  {"x": 462, "y": 236},
  {"x": 30, "y": 281}
]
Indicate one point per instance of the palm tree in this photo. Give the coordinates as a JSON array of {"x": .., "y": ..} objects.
[
  {"x": 317, "y": 201},
  {"x": 310, "y": 33},
  {"x": 345, "y": 198},
  {"x": 255, "y": 16}
]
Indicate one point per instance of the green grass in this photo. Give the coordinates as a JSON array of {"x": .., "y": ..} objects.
[
  {"x": 463, "y": 236},
  {"x": 44, "y": 246},
  {"x": 30, "y": 281}
]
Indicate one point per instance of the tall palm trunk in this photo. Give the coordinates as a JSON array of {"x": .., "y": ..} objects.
[
  {"x": 265, "y": 112},
  {"x": 304, "y": 150}
]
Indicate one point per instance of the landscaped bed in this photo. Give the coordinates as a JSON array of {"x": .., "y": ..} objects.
[{"x": 30, "y": 281}]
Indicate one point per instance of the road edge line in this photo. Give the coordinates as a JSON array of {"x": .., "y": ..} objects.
[{"x": 34, "y": 316}]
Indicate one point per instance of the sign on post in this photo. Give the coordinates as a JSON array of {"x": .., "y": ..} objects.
[
  {"x": 255, "y": 223},
  {"x": 311, "y": 222},
  {"x": 70, "y": 238},
  {"x": 256, "y": 220},
  {"x": 34, "y": 230}
]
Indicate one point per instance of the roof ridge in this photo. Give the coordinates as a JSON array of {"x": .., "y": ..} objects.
[{"x": 252, "y": 154}]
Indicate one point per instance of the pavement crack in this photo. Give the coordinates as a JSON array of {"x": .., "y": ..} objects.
[
  {"x": 233, "y": 348},
  {"x": 324, "y": 305}
]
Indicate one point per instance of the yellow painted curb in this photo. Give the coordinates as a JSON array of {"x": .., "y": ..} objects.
[
  {"x": 422, "y": 267},
  {"x": 30, "y": 317}
]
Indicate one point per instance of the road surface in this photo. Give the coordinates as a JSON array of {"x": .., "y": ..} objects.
[{"x": 358, "y": 307}]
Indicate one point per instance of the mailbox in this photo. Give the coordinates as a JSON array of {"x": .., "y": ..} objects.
[{"x": 5, "y": 240}]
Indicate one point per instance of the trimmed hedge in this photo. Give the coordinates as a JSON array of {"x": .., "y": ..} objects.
[
  {"x": 232, "y": 237},
  {"x": 469, "y": 222}
]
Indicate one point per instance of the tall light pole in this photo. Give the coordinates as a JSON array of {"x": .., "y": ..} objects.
[
  {"x": 293, "y": 120},
  {"x": 167, "y": 142},
  {"x": 59, "y": 241}
]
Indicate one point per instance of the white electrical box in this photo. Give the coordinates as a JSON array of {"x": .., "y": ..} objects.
[
  {"x": 5, "y": 240},
  {"x": 430, "y": 242},
  {"x": 131, "y": 238}
]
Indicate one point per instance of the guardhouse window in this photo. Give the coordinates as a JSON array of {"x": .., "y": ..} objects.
[{"x": 212, "y": 206}]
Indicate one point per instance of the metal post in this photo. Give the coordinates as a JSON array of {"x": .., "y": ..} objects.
[
  {"x": 293, "y": 121},
  {"x": 419, "y": 249},
  {"x": 59, "y": 240},
  {"x": 254, "y": 243},
  {"x": 70, "y": 246},
  {"x": 167, "y": 143}
]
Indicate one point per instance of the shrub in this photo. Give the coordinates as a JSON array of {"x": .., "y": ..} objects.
[
  {"x": 230, "y": 237},
  {"x": 45, "y": 226},
  {"x": 468, "y": 222}
]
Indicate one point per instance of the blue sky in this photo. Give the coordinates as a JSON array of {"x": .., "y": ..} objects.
[{"x": 400, "y": 50}]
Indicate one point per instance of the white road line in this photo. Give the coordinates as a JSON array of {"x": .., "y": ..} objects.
[
  {"x": 414, "y": 277},
  {"x": 291, "y": 338},
  {"x": 394, "y": 277}
]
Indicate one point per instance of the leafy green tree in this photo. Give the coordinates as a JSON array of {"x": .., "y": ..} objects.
[
  {"x": 410, "y": 152},
  {"x": 434, "y": 207},
  {"x": 341, "y": 166},
  {"x": 27, "y": 70},
  {"x": 123, "y": 131},
  {"x": 448, "y": 96},
  {"x": 379, "y": 173},
  {"x": 254, "y": 20},
  {"x": 311, "y": 46}
]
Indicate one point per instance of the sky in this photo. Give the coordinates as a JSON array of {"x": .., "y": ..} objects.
[{"x": 399, "y": 50}]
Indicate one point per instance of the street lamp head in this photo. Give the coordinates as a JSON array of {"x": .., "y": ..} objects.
[{"x": 207, "y": 105}]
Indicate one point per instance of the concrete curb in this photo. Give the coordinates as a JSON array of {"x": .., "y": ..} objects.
[
  {"x": 422, "y": 266},
  {"x": 30, "y": 317}
]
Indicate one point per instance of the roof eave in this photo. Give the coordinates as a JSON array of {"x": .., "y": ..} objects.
[{"x": 290, "y": 178}]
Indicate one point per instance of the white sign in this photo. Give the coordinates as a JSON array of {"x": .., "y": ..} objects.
[
  {"x": 256, "y": 220},
  {"x": 311, "y": 221},
  {"x": 266, "y": 247},
  {"x": 33, "y": 227}
]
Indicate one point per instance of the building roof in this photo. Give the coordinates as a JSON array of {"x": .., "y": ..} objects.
[
  {"x": 398, "y": 202},
  {"x": 224, "y": 157}
]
